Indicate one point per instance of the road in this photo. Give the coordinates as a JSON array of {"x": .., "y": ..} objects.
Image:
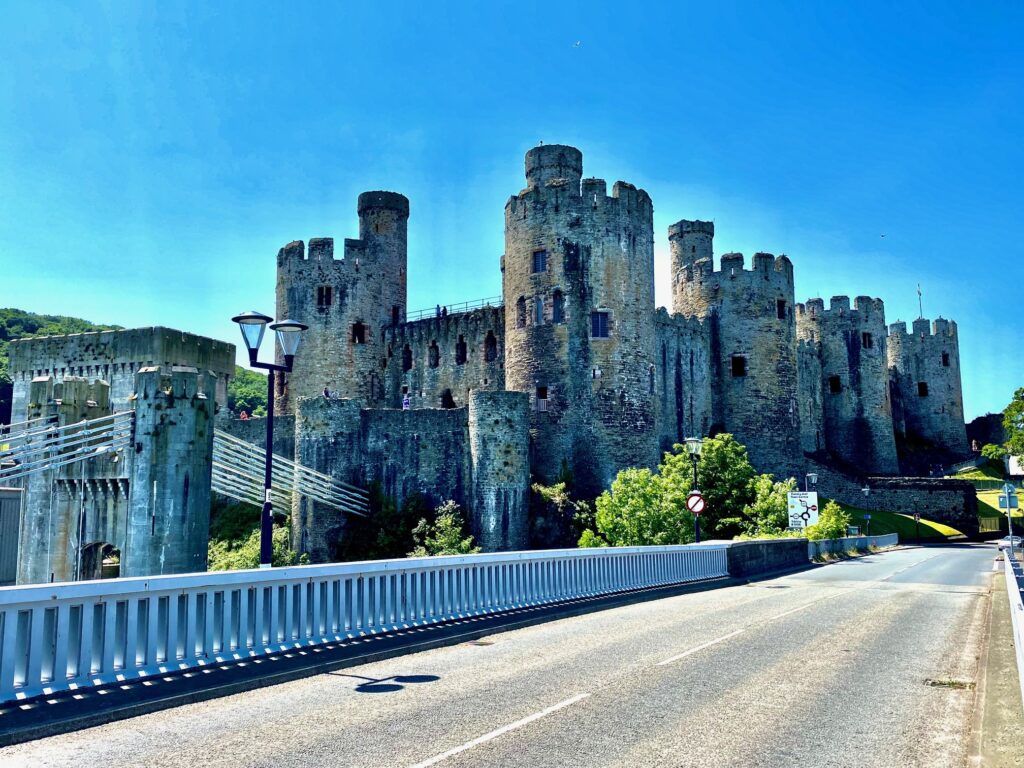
[{"x": 828, "y": 667}]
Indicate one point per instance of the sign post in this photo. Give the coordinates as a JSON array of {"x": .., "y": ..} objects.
[
  {"x": 695, "y": 503},
  {"x": 803, "y": 508},
  {"x": 917, "y": 524}
]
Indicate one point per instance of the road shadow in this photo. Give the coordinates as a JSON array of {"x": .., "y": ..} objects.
[{"x": 382, "y": 685}]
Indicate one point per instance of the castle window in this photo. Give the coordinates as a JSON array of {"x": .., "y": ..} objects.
[
  {"x": 650, "y": 378},
  {"x": 490, "y": 348},
  {"x": 780, "y": 308},
  {"x": 358, "y": 333},
  {"x": 538, "y": 311},
  {"x": 599, "y": 325},
  {"x": 447, "y": 401},
  {"x": 866, "y": 341},
  {"x": 557, "y": 307},
  {"x": 521, "y": 313},
  {"x": 542, "y": 398},
  {"x": 739, "y": 366},
  {"x": 433, "y": 355},
  {"x": 540, "y": 261},
  {"x": 460, "y": 350},
  {"x": 407, "y": 358},
  {"x": 835, "y": 385},
  {"x": 922, "y": 389},
  {"x": 324, "y": 295},
  {"x": 396, "y": 314},
  {"x": 693, "y": 249},
  {"x": 945, "y": 359}
]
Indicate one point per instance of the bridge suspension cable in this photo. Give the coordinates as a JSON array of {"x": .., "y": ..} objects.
[
  {"x": 238, "y": 469},
  {"x": 40, "y": 445}
]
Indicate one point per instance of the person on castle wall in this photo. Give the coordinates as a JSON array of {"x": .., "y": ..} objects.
[
  {"x": 437, "y": 311},
  {"x": 327, "y": 392},
  {"x": 444, "y": 311},
  {"x": 244, "y": 416},
  {"x": 406, "y": 402}
]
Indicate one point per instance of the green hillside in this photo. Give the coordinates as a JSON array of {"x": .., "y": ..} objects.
[{"x": 19, "y": 324}]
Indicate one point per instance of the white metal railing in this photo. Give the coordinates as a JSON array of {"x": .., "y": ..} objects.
[
  {"x": 454, "y": 309},
  {"x": 78, "y": 634}
]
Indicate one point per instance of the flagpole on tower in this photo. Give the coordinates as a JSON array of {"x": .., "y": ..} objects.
[{"x": 920, "y": 306}]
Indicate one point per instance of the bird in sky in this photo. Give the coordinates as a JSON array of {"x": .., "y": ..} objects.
[
  {"x": 578, "y": 44},
  {"x": 883, "y": 234}
]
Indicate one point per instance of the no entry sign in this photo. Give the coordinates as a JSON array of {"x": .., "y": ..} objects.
[{"x": 695, "y": 503}]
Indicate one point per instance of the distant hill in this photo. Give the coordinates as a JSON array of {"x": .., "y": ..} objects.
[{"x": 19, "y": 324}]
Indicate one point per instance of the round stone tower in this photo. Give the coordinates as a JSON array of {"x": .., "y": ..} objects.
[
  {"x": 924, "y": 368},
  {"x": 345, "y": 302},
  {"x": 753, "y": 343},
  {"x": 856, "y": 410},
  {"x": 578, "y": 283}
]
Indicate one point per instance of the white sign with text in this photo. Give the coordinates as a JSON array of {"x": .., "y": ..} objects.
[{"x": 803, "y": 508}]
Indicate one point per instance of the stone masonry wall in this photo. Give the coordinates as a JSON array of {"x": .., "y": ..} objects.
[
  {"x": 115, "y": 357},
  {"x": 682, "y": 378},
  {"x": 572, "y": 250},
  {"x": 439, "y": 360},
  {"x": 856, "y": 411},
  {"x": 929, "y": 356}
]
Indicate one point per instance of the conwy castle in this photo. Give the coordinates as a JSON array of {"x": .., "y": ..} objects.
[{"x": 576, "y": 372}]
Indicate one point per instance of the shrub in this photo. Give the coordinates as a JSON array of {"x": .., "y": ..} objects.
[
  {"x": 445, "y": 536},
  {"x": 832, "y": 523}
]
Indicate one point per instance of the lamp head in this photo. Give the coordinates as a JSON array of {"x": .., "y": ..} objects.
[
  {"x": 289, "y": 334},
  {"x": 253, "y": 324},
  {"x": 812, "y": 478},
  {"x": 694, "y": 446}
]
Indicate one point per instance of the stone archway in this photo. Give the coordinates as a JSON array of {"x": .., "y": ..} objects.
[{"x": 99, "y": 560}]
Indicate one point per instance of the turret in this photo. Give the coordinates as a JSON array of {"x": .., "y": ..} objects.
[
  {"x": 854, "y": 402},
  {"x": 578, "y": 282},
  {"x": 753, "y": 342},
  {"x": 346, "y": 299}
]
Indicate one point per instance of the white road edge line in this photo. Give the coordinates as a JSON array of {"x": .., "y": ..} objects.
[
  {"x": 501, "y": 731},
  {"x": 721, "y": 639}
]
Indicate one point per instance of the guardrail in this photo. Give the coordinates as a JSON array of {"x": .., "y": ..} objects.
[
  {"x": 1015, "y": 589},
  {"x": 824, "y": 546},
  {"x": 78, "y": 634},
  {"x": 454, "y": 309},
  {"x": 991, "y": 485}
]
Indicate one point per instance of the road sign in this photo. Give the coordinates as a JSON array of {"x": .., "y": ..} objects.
[
  {"x": 1012, "y": 501},
  {"x": 917, "y": 517},
  {"x": 803, "y": 508},
  {"x": 695, "y": 503},
  {"x": 867, "y": 517}
]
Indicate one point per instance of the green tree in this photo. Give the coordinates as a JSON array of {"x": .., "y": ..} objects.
[
  {"x": 247, "y": 391},
  {"x": 445, "y": 536},
  {"x": 386, "y": 531},
  {"x": 832, "y": 523},
  {"x": 1013, "y": 425},
  {"x": 725, "y": 477},
  {"x": 639, "y": 510},
  {"x": 557, "y": 519},
  {"x": 228, "y": 555},
  {"x": 768, "y": 514},
  {"x": 993, "y": 452}
]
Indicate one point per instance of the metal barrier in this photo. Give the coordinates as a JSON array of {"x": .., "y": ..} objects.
[
  {"x": 824, "y": 546},
  {"x": 79, "y": 634},
  {"x": 1015, "y": 592},
  {"x": 454, "y": 309}
]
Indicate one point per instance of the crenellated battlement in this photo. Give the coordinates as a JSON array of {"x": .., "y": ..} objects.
[
  {"x": 688, "y": 227},
  {"x": 679, "y": 322},
  {"x": 924, "y": 328},
  {"x": 456, "y": 322},
  {"x": 865, "y": 310},
  {"x": 732, "y": 268}
]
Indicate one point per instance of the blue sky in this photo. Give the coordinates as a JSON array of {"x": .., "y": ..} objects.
[{"x": 154, "y": 157}]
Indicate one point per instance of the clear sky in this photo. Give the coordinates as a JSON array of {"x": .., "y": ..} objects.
[{"x": 154, "y": 156}]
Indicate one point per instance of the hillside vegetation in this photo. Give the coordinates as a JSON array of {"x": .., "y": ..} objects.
[{"x": 19, "y": 324}]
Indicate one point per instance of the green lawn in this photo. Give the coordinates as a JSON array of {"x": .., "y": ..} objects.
[
  {"x": 988, "y": 471},
  {"x": 892, "y": 522}
]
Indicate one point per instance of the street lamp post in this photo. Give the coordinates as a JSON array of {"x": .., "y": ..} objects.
[
  {"x": 694, "y": 445},
  {"x": 289, "y": 334},
  {"x": 867, "y": 519},
  {"x": 811, "y": 478}
]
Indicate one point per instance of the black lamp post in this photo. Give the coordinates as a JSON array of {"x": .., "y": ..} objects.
[
  {"x": 289, "y": 334},
  {"x": 693, "y": 447}
]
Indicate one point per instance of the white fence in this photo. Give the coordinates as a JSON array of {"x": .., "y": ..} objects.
[
  {"x": 1015, "y": 591},
  {"x": 817, "y": 548},
  {"x": 78, "y": 634}
]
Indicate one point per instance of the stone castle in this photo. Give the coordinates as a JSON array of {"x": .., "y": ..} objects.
[
  {"x": 577, "y": 372},
  {"x": 574, "y": 373}
]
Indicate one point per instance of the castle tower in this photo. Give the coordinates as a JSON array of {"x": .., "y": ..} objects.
[
  {"x": 753, "y": 343},
  {"x": 856, "y": 413},
  {"x": 924, "y": 369},
  {"x": 345, "y": 302},
  {"x": 578, "y": 283}
]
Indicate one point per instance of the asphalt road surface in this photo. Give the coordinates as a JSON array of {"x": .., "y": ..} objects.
[{"x": 869, "y": 662}]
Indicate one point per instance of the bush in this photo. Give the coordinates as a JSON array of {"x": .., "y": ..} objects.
[
  {"x": 993, "y": 452},
  {"x": 226, "y": 555},
  {"x": 445, "y": 536},
  {"x": 638, "y": 510},
  {"x": 832, "y": 523}
]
